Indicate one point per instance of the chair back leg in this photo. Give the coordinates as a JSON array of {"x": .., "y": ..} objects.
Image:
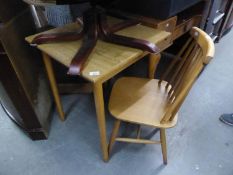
[
  {"x": 114, "y": 135},
  {"x": 114, "y": 138}
]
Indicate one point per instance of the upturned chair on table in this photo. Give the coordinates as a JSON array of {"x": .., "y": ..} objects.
[{"x": 155, "y": 102}]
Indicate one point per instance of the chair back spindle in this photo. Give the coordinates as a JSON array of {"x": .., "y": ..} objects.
[{"x": 184, "y": 69}]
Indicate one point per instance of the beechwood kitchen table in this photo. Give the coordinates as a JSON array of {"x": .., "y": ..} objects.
[{"x": 104, "y": 62}]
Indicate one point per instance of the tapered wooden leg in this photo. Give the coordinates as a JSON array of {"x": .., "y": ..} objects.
[
  {"x": 153, "y": 63},
  {"x": 138, "y": 131},
  {"x": 53, "y": 84},
  {"x": 163, "y": 145},
  {"x": 99, "y": 105},
  {"x": 114, "y": 134}
]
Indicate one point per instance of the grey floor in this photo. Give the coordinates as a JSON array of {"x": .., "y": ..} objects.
[{"x": 199, "y": 145}]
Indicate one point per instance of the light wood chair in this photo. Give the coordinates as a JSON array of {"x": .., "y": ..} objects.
[{"x": 155, "y": 102}]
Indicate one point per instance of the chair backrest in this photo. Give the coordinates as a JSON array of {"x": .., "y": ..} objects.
[{"x": 184, "y": 69}]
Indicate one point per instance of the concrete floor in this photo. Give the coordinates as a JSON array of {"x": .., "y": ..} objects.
[{"x": 199, "y": 145}]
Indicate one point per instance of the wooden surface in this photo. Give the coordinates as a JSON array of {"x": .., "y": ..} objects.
[
  {"x": 139, "y": 100},
  {"x": 131, "y": 140},
  {"x": 21, "y": 72},
  {"x": 205, "y": 42},
  {"x": 100, "y": 113},
  {"x": 186, "y": 26},
  {"x": 163, "y": 145},
  {"x": 168, "y": 25},
  {"x": 165, "y": 24},
  {"x": 115, "y": 131},
  {"x": 155, "y": 103},
  {"x": 153, "y": 63},
  {"x": 53, "y": 85},
  {"x": 107, "y": 59}
]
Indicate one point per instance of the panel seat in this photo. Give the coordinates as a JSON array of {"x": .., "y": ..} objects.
[{"x": 141, "y": 101}]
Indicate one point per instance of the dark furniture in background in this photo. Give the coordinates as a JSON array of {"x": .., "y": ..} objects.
[
  {"x": 160, "y": 9},
  {"x": 220, "y": 18},
  {"x": 25, "y": 94},
  {"x": 227, "y": 21}
]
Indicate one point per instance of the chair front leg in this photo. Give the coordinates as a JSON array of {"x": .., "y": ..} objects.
[{"x": 163, "y": 145}]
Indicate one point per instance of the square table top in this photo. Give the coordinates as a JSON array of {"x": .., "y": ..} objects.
[{"x": 106, "y": 59}]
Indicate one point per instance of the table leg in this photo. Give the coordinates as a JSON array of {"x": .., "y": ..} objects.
[
  {"x": 153, "y": 63},
  {"x": 53, "y": 84},
  {"x": 100, "y": 112}
]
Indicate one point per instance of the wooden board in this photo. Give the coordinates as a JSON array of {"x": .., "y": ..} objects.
[
  {"x": 106, "y": 59},
  {"x": 141, "y": 101},
  {"x": 186, "y": 26}
]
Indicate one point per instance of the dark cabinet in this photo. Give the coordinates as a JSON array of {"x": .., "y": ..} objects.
[
  {"x": 24, "y": 94},
  {"x": 227, "y": 21},
  {"x": 219, "y": 19},
  {"x": 159, "y": 9}
]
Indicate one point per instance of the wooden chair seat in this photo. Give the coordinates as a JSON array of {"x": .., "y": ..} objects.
[{"x": 141, "y": 101}]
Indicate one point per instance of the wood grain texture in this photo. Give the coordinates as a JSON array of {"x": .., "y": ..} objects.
[
  {"x": 155, "y": 103},
  {"x": 141, "y": 101},
  {"x": 53, "y": 84},
  {"x": 114, "y": 135},
  {"x": 186, "y": 26},
  {"x": 163, "y": 145},
  {"x": 131, "y": 140},
  {"x": 107, "y": 59},
  {"x": 205, "y": 42},
  {"x": 166, "y": 24},
  {"x": 153, "y": 63},
  {"x": 100, "y": 112}
]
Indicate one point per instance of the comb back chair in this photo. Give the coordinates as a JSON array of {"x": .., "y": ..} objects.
[{"x": 155, "y": 102}]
